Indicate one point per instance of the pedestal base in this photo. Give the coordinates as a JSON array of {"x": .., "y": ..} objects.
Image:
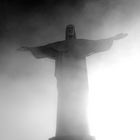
[{"x": 73, "y": 138}]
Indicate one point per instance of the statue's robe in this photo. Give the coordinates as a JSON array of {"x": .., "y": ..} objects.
[{"x": 72, "y": 82}]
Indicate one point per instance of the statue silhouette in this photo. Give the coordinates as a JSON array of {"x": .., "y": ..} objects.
[{"x": 71, "y": 74}]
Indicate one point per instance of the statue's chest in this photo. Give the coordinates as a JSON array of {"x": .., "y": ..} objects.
[{"x": 69, "y": 65}]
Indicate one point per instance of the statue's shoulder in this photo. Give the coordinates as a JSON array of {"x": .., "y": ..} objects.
[
  {"x": 83, "y": 42},
  {"x": 60, "y": 46}
]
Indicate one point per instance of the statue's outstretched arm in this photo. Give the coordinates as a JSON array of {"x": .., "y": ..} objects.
[
  {"x": 119, "y": 36},
  {"x": 43, "y": 51},
  {"x": 89, "y": 47}
]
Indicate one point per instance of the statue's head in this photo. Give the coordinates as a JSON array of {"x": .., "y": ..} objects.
[{"x": 70, "y": 32}]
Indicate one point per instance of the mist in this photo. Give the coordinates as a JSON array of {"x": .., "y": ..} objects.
[{"x": 28, "y": 92}]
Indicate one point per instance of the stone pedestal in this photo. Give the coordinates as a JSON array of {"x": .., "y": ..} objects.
[{"x": 73, "y": 138}]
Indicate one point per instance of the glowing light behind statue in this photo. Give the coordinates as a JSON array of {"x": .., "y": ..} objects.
[
  {"x": 114, "y": 98},
  {"x": 71, "y": 74}
]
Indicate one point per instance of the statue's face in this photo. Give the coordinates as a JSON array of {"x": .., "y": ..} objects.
[{"x": 70, "y": 32}]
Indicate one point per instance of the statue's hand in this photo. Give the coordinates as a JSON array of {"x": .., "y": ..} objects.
[
  {"x": 120, "y": 36},
  {"x": 23, "y": 49}
]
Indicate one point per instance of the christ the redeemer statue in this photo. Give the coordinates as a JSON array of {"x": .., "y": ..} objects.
[{"x": 72, "y": 82}]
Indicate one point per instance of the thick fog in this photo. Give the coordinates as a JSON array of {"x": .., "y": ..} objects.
[{"x": 28, "y": 92}]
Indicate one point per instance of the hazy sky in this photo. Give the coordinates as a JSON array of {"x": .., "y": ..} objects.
[{"x": 28, "y": 91}]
